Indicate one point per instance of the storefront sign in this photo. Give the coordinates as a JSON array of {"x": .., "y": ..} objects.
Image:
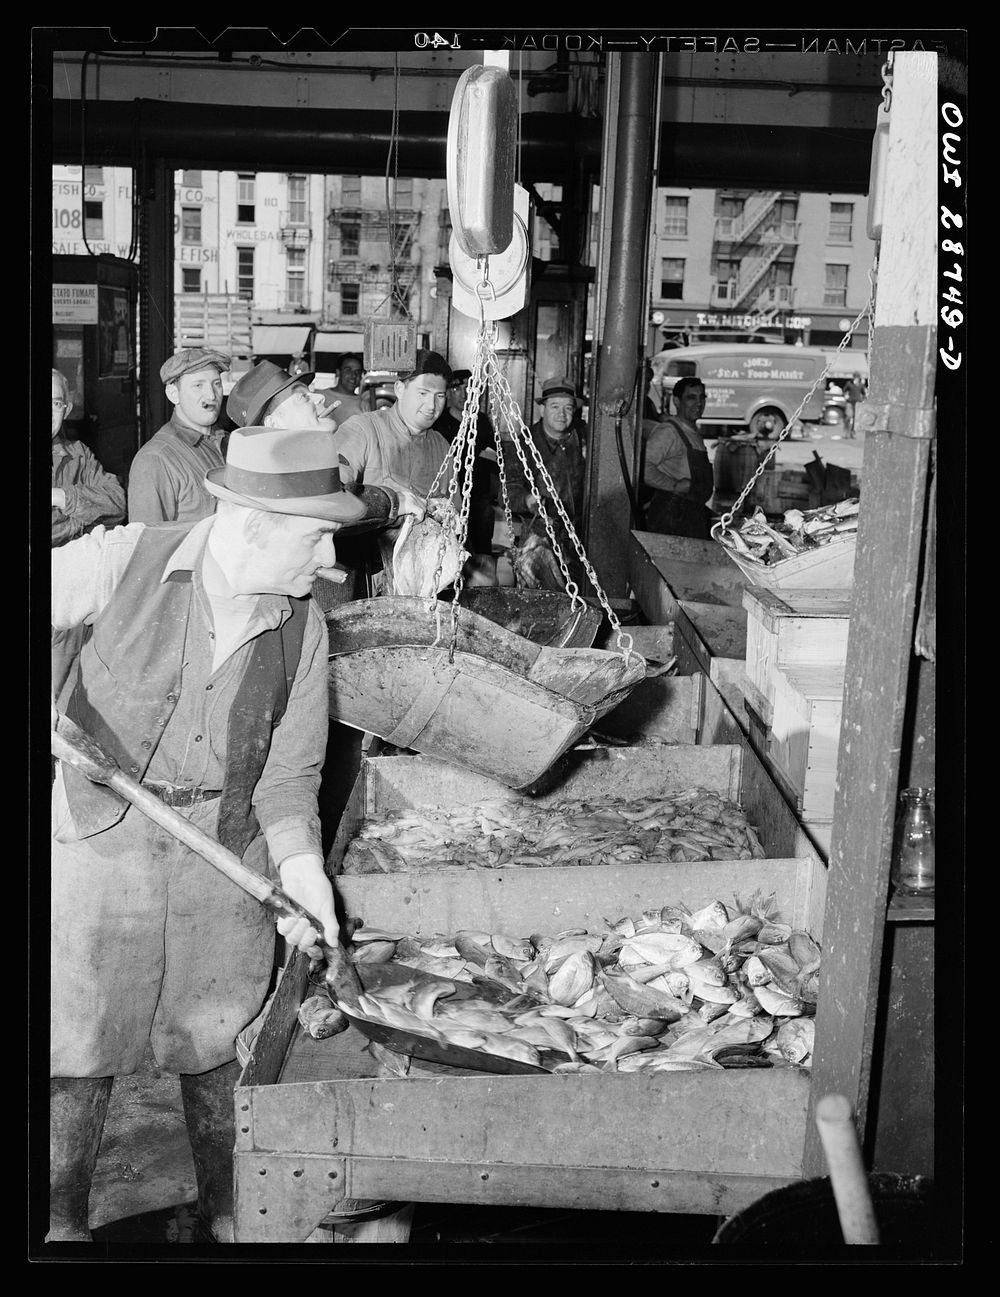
[
  {"x": 752, "y": 320},
  {"x": 74, "y": 303}
]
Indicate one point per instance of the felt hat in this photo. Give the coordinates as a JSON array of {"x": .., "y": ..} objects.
[
  {"x": 557, "y": 387},
  {"x": 246, "y": 402},
  {"x": 285, "y": 470},
  {"x": 190, "y": 359}
]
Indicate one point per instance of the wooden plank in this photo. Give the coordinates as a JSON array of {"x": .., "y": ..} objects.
[
  {"x": 394, "y": 783},
  {"x": 580, "y": 1187},
  {"x": 728, "y": 674},
  {"x": 267, "y": 1055},
  {"x": 721, "y": 722},
  {"x": 724, "y": 1123},
  {"x": 518, "y": 901},
  {"x": 885, "y": 587},
  {"x": 660, "y": 707},
  {"x": 724, "y": 630}
]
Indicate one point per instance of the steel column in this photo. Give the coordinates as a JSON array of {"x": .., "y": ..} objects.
[{"x": 623, "y": 327}]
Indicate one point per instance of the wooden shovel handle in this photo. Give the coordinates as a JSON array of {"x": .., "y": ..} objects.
[
  {"x": 74, "y": 745},
  {"x": 847, "y": 1172}
]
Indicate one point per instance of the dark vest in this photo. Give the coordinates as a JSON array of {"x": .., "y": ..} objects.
[{"x": 128, "y": 678}]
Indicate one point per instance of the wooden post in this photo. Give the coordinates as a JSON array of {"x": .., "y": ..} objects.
[{"x": 899, "y": 426}]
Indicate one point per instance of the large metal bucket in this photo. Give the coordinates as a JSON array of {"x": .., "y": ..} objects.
[
  {"x": 542, "y": 616},
  {"x": 800, "y": 1221},
  {"x": 503, "y": 706}
]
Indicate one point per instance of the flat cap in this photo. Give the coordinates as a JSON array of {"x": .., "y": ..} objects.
[
  {"x": 190, "y": 359},
  {"x": 556, "y": 387}
]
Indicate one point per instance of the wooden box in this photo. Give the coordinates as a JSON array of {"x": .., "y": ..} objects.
[
  {"x": 780, "y": 489},
  {"x": 693, "y": 584},
  {"x": 797, "y": 628},
  {"x": 677, "y": 1142},
  {"x": 803, "y": 733}
]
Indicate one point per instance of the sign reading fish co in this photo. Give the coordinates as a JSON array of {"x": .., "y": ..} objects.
[{"x": 74, "y": 303}]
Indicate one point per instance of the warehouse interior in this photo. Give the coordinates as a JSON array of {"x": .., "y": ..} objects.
[{"x": 732, "y": 113}]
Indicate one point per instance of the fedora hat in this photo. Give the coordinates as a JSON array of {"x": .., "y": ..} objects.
[
  {"x": 285, "y": 470},
  {"x": 246, "y": 402}
]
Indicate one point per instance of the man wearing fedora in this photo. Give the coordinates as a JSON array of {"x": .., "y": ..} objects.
[
  {"x": 166, "y": 480},
  {"x": 206, "y": 679},
  {"x": 558, "y": 445},
  {"x": 268, "y": 396}
]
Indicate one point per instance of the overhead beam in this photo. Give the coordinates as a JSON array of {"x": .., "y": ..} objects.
[{"x": 220, "y": 137}]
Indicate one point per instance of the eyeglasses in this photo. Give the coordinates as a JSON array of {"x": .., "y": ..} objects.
[{"x": 59, "y": 405}]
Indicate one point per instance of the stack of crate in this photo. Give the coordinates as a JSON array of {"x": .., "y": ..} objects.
[{"x": 793, "y": 693}]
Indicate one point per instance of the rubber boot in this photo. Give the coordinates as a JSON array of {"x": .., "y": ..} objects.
[
  {"x": 77, "y": 1111},
  {"x": 211, "y": 1127}
]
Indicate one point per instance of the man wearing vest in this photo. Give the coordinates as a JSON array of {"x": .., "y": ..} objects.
[
  {"x": 206, "y": 678},
  {"x": 677, "y": 480}
]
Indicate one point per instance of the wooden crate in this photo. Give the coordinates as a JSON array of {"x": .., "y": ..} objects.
[
  {"x": 316, "y": 1125},
  {"x": 804, "y": 735},
  {"x": 780, "y": 489},
  {"x": 693, "y": 584},
  {"x": 796, "y": 628}
]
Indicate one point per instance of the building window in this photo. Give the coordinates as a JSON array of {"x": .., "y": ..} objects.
[
  {"x": 404, "y": 191},
  {"x": 245, "y": 200},
  {"x": 349, "y": 295},
  {"x": 298, "y": 204},
  {"x": 93, "y": 175},
  {"x": 350, "y": 191},
  {"x": 295, "y": 278},
  {"x": 244, "y": 272},
  {"x": 835, "y": 290},
  {"x": 191, "y": 280},
  {"x": 724, "y": 268},
  {"x": 841, "y": 223},
  {"x": 350, "y": 237},
  {"x": 191, "y": 179},
  {"x": 675, "y": 217},
  {"x": 728, "y": 208},
  {"x": 190, "y": 225},
  {"x": 93, "y": 220},
  {"x": 672, "y": 277}
]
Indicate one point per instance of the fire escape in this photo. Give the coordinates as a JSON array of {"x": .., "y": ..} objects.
[
  {"x": 764, "y": 236},
  {"x": 369, "y": 264}
]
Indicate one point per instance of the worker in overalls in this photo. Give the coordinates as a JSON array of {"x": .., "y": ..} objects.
[
  {"x": 206, "y": 680},
  {"x": 677, "y": 474}
]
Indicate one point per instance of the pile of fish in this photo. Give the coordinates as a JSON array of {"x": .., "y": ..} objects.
[
  {"x": 670, "y": 991},
  {"x": 798, "y": 532},
  {"x": 693, "y": 825}
]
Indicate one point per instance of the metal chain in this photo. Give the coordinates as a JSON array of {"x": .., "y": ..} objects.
[
  {"x": 887, "y": 69},
  {"x": 724, "y": 523},
  {"x": 522, "y": 443}
]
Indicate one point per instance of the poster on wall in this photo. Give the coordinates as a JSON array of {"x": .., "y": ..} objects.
[{"x": 114, "y": 332}]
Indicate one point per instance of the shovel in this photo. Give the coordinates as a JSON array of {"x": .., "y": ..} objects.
[{"x": 72, "y": 744}]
